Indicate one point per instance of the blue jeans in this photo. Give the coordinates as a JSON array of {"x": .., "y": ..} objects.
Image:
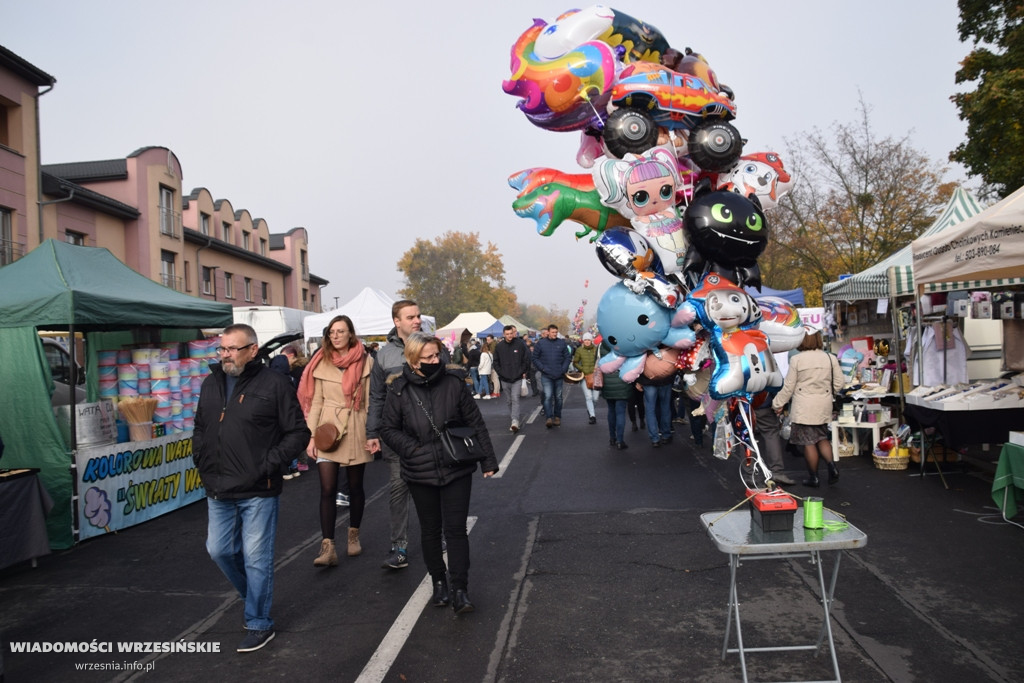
[
  {"x": 474, "y": 373},
  {"x": 617, "y": 419},
  {"x": 240, "y": 540},
  {"x": 659, "y": 412},
  {"x": 552, "y": 396},
  {"x": 588, "y": 397}
]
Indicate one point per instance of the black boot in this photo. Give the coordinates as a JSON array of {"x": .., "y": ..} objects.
[
  {"x": 441, "y": 597},
  {"x": 812, "y": 481},
  {"x": 833, "y": 473},
  {"x": 461, "y": 603}
]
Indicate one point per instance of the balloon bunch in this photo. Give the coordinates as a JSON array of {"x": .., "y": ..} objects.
[{"x": 672, "y": 205}]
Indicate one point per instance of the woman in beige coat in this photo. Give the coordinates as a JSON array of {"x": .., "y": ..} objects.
[
  {"x": 335, "y": 388},
  {"x": 813, "y": 379}
]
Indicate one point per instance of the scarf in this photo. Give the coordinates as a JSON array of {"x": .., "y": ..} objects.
[{"x": 352, "y": 360}]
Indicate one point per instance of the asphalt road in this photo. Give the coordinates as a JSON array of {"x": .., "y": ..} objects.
[{"x": 589, "y": 564}]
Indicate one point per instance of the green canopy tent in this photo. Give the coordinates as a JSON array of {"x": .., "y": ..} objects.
[{"x": 60, "y": 286}]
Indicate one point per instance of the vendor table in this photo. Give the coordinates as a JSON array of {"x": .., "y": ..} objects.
[
  {"x": 876, "y": 433},
  {"x": 962, "y": 427},
  {"x": 735, "y": 534},
  {"x": 24, "y": 504},
  {"x": 1008, "y": 485}
]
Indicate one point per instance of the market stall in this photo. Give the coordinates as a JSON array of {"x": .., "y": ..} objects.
[
  {"x": 60, "y": 286},
  {"x": 982, "y": 262}
]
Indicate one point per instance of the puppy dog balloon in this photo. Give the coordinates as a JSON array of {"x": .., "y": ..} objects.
[
  {"x": 744, "y": 364},
  {"x": 633, "y": 324}
]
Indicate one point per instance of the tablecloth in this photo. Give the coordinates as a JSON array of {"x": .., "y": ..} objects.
[
  {"x": 24, "y": 504},
  {"x": 1008, "y": 485}
]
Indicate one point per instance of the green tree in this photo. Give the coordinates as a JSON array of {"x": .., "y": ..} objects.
[
  {"x": 994, "y": 110},
  {"x": 456, "y": 274},
  {"x": 857, "y": 200}
]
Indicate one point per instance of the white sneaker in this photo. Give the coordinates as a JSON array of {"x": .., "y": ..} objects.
[
  {"x": 476, "y": 395},
  {"x": 486, "y": 397},
  {"x": 515, "y": 427}
]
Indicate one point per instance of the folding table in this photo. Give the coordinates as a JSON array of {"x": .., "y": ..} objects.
[{"x": 736, "y": 534}]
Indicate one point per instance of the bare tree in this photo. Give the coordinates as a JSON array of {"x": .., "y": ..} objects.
[{"x": 857, "y": 200}]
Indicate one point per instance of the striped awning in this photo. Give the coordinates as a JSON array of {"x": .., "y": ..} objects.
[
  {"x": 893, "y": 275},
  {"x": 971, "y": 284}
]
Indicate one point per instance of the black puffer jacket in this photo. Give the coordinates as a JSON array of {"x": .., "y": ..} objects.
[
  {"x": 241, "y": 445},
  {"x": 406, "y": 429}
]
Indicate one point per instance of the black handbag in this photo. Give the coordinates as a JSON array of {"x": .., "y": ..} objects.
[{"x": 457, "y": 440}]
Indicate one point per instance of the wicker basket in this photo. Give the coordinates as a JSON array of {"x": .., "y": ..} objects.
[
  {"x": 893, "y": 462},
  {"x": 845, "y": 447}
]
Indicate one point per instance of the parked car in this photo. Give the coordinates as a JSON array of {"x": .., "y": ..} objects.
[{"x": 59, "y": 360}]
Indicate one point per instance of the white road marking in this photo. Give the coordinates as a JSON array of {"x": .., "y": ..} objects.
[
  {"x": 384, "y": 657},
  {"x": 509, "y": 454}
]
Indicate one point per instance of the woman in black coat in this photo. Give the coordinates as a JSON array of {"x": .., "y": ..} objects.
[{"x": 440, "y": 492}]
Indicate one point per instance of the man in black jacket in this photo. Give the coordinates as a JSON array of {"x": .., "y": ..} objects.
[
  {"x": 512, "y": 363},
  {"x": 248, "y": 427}
]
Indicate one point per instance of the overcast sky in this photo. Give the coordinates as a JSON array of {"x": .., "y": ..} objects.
[{"x": 374, "y": 124}]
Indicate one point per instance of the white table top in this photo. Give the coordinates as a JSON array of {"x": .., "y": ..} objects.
[{"x": 736, "y": 533}]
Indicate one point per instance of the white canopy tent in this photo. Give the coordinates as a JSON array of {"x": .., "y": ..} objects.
[
  {"x": 370, "y": 311},
  {"x": 984, "y": 251},
  {"x": 474, "y": 322}
]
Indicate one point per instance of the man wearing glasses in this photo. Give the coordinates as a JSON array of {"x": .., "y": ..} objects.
[{"x": 248, "y": 427}]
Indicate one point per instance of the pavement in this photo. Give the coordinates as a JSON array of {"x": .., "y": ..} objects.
[{"x": 589, "y": 564}]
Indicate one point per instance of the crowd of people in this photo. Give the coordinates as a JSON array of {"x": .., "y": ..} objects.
[{"x": 352, "y": 403}]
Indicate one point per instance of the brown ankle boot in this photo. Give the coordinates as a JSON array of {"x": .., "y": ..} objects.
[
  {"x": 353, "y": 543},
  {"x": 328, "y": 557}
]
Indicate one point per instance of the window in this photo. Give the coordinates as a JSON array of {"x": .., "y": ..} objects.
[
  {"x": 265, "y": 293},
  {"x": 5, "y": 134},
  {"x": 169, "y": 218},
  {"x": 263, "y": 247},
  {"x": 303, "y": 265},
  {"x": 168, "y": 275},
  {"x": 7, "y": 246},
  {"x": 248, "y": 289},
  {"x": 229, "y": 286},
  {"x": 207, "y": 280},
  {"x": 226, "y": 236},
  {"x": 204, "y": 223},
  {"x": 245, "y": 240},
  {"x": 74, "y": 238},
  {"x": 187, "y": 277}
]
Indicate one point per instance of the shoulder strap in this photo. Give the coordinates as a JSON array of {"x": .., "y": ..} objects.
[{"x": 426, "y": 412}]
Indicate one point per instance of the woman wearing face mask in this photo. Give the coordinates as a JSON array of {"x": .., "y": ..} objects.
[
  {"x": 335, "y": 388},
  {"x": 424, "y": 392}
]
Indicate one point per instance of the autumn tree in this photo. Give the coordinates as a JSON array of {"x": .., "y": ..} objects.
[
  {"x": 994, "y": 110},
  {"x": 456, "y": 274},
  {"x": 536, "y": 317},
  {"x": 857, "y": 199}
]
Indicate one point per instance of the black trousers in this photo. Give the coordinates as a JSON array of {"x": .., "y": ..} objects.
[{"x": 444, "y": 508}]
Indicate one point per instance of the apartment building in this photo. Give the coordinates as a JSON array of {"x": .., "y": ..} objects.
[{"x": 135, "y": 207}]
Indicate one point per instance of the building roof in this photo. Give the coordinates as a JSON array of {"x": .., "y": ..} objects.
[
  {"x": 24, "y": 69},
  {"x": 90, "y": 171},
  {"x": 65, "y": 189}
]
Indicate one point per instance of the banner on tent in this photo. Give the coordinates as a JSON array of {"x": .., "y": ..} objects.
[
  {"x": 812, "y": 317},
  {"x": 123, "y": 484}
]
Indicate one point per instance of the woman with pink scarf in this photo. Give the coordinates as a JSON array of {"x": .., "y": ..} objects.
[{"x": 335, "y": 389}]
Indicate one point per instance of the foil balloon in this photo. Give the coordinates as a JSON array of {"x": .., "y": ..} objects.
[
  {"x": 780, "y": 320},
  {"x": 727, "y": 233},
  {"x": 626, "y": 254},
  {"x": 633, "y": 324},
  {"x": 551, "y": 197},
  {"x": 562, "y": 94},
  {"x": 759, "y": 177},
  {"x": 744, "y": 364},
  {"x": 643, "y": 188}
]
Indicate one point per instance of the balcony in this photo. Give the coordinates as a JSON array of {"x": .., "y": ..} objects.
[
  {"x": 171, "y": 281},
  {"x": 170, "y": 222},
  {"x": 10, "y": 251}
]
